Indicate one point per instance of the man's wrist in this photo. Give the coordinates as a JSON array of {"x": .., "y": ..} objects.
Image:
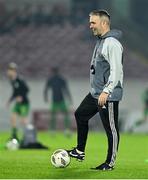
[{"x": 106, "y": 91}]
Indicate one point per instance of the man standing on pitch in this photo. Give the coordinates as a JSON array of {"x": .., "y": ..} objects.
[
  {"x": 20, "y": 97},
  {"x": 106, "y": 76}
]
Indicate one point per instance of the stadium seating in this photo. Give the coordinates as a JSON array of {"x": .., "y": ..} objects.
[{"x": 36, "y": 49}]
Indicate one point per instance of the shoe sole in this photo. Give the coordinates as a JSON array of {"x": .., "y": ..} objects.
[
  {"x": 102, "y": 169},
  {"x": 76, "y": 157}
]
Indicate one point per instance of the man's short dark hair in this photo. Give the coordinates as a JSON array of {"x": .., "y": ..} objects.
[
  {"x": 100, "y": 13},
  {"x": 55, "y": 69}
]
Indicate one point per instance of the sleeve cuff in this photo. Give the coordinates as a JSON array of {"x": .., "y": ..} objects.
[{"x": 106, "y": 91}]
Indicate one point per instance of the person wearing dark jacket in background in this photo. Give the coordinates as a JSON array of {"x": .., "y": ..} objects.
[
  {"x": 145, "y": 102},
  {"x": 61, "y": 98},
  {"x": 20, "y": 97}
]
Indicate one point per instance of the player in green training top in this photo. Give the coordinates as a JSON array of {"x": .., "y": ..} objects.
[{"x": 20, "y": 97}]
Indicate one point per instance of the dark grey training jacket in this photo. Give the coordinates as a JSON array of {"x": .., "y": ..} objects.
[{"x": 106, "y": 72}]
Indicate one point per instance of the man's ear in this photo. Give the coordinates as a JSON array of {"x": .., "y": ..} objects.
[{"x": 103, "y": 22}]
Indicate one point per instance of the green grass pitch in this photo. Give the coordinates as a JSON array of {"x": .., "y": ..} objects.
[{"x": 132, "y": 160}]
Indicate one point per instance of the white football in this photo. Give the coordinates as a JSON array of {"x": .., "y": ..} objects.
[
  {"x": 12, "y": 144},
  {"x": 60, "y": 158}
]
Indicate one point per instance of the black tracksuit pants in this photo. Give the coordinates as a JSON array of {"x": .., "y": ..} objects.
[{"x": 109, "y": 116}]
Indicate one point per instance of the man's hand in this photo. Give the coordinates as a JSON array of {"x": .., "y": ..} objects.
[
  {"x": 19, "y": 99},
  {"x": 102, "y": 98}
]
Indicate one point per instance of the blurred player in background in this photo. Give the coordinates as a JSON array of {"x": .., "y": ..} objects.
[
  {"x": 61, "y": 99},
  {"x": 106, "y": 76},
  {"x": 20, "y": 98},
  {"x": 145, "y": 102},
  {"x": 144, "y": 120}
]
